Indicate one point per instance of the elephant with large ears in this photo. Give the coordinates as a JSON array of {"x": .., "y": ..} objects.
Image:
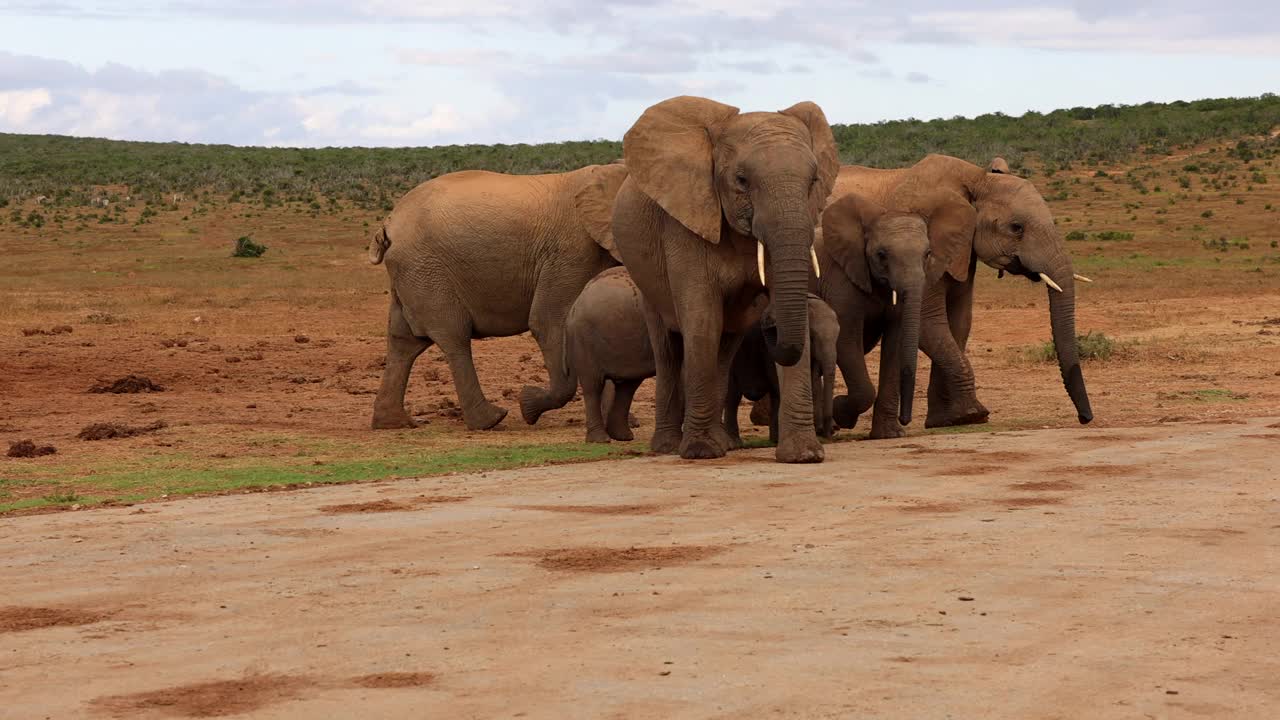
[
  {"x": 873, "y": 264},
  {"x": 1013, "y": 232},
  {"x": 479, "y": 254},
  {"x": 718, "y": 202}
]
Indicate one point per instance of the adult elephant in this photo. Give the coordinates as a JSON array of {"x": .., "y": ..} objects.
[
  {"x": 717, "y": 201},
  {"x": 1013, "y": 231},
  {"x": 478, "y": 254}
]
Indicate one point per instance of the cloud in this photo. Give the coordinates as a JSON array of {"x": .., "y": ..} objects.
[{"x": 918, "y": 78}]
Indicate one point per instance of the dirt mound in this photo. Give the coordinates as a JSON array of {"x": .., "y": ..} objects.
[
  {"x": 28, "y": 449},
  {"x": 1028, "y": 501},
  {"x": 110, "y": 431},
  {"x": 55, "y": 330},
  {"x": 603, "y": 559},
  {"x": 18, "y": 619},
  {"x": 377, "y": 506},
  {"x": 128, "y": 384},
  {"x": 1044, "y": 485},
  {"x": 210, "y": 699},
  {"x": 395, "y": 680}
]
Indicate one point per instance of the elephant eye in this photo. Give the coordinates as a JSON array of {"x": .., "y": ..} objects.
[
  {"x": 740, "y": 179},
  {"x": 1017, "y": 228}
]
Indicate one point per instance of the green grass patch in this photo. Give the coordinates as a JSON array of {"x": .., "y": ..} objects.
[
  {"x": 1212, "y": 395},
  {"x": 181, "y": 475}
]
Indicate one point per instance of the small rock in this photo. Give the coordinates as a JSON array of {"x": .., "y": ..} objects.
[
  {"x": 301, "y": 339},
  {"x": 965, "y": 598}
]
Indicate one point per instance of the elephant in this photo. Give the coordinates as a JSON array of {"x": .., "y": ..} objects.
[
  {"x": 753, "y": 375},
  {"x": 873, "y": 275},
  {"x": 1011, "y": 229},
  {"x": 476, "y": 254},
  {"x": 606, "y": 340},
  {"x": 714, "y": 199}
]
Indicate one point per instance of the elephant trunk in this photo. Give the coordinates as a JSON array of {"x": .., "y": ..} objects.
[
  {"x": 789, "y": 266},
  {"x": 911, "y": 301},
  {"x": 1062, "y": 316}
]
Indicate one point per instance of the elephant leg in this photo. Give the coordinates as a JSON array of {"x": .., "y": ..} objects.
[
  {"x": 761, "y": 411},
  {"x": 852, "y": 362},
  {"x": 732, "y": 399},
  {"x": 952, "y": 400},
  {"x": 704, "y": 386},
  {"x": 797, "y": 441},
  {"x": 618, "y": 423},
  {"x": 884, "y": 416},
  {"x": 728, "y": 348},
  {"x": 477, "y": 411},
  {"x": 668, "y": 401},
  {"x": 593, "y": 386},
  {"x": 403, "y": 348},
  {"x": 546, "y": 322}
]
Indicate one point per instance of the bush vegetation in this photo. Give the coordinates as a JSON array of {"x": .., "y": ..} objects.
[
  {"x": 1090, "y": 346},
  {"x": 67, "y": 169}
]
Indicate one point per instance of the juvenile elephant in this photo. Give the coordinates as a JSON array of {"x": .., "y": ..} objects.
[
  {"x": 753, "y": 375},
  {"x": 607, "y": 341},
  {"x": 873, "y": 276},
  {"x": 1013, "y": 232},
  {"x": 714, "y": 201},
  {"x": 479, "y": 254}
]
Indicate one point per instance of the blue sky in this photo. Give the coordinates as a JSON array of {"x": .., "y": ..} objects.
[{"x": 397, "y": 72}]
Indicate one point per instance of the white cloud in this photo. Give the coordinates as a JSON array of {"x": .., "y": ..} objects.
[{"x": 18, "y": 106}]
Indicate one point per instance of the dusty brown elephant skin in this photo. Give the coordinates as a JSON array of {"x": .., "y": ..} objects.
[
  {"x": 478, "y": 254},
  {"x": 607, "y": 341},
  {"x": 753, "y": 375},
  {"x": 1013, "y": 232},
  {"x": 708, "y": 186},
  {"x": 873, "y": 275}
]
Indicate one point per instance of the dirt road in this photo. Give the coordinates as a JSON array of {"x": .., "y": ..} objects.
[{"x": 1052, "y": 574}]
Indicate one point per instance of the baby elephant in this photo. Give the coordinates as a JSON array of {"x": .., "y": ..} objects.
[
  {"x": 753, "y": 374},
  {"x": 606, "y": 339}
]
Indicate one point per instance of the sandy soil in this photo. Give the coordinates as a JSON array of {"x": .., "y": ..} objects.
[{"x": 1085, "y": 572}]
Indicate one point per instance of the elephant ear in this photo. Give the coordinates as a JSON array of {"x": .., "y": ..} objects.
[
  {"x": 999, "y": 166},
  {"x": 952, "y": 222},
  {"x": 846, "y": 225},
  {"x": 824, "y": 147},
  {"x": 594, "y": 203},
  {"x": 669, "y": 152}
]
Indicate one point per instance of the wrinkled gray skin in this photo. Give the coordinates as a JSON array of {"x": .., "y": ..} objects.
[
  {"x": 478, "y": 254},
  {"x": 708, "y": 185},
  {"x": 1013, "y": 231},
  {"x": 607, "y": 341},
  {"x": 754, "y": 375}
]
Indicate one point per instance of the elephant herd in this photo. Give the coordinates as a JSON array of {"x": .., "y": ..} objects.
[{"x": 745, "y": 248}]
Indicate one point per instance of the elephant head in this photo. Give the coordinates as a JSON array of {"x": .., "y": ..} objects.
[
  {"x": 761, "y": 175},
  {"x": 594, "y": 203},
  {"x": 1016, "y": 234},
  {"x": 886, "y": 253}
]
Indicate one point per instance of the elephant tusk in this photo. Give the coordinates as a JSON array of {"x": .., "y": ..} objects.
[
  {"x": 760, "y": 260},
  {"x": 1082, "y": 278},
  {"x": 1049, "y": 281},
  {"x": 816, "y": 270},
  {"x": 895, "y": 297}
]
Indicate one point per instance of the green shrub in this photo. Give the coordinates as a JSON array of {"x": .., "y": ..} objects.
[
  {"x": 247, "y": 248},
  {"x": 1113, "y": 235},
  {"x": 1206, "y": 214},
  {"x": 1076, "y": 235},
  {"x": 1090, "y": 346}
]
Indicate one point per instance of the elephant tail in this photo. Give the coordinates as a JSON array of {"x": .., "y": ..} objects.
[{"x": 378, "y": 245}]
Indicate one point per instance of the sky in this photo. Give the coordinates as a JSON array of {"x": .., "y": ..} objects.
[{"x": 431, "y": 72}]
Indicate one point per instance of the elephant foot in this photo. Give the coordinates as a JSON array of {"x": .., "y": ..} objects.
[
  {"x": 887, "y": 430},
  {"x": 665, "y": 442},
  {"x": 762, "y": 412},
  {"x": 533, "y": 401},
  {"x": 842, "y": 413},
  {"x": 597, "y": 436},
  {"x": 826, "y": 430},
  {"x": 484, "y": 417},
  {"x": 800, "y": 447},
  {"x": 633, "y": 421},
  {"x": 622, "y": 434},
  {"x": 735, "y": 441},
  {"x": 701, "y": 446},
  {"x": 392, "y": 420},
  {"x": 969, "y": 414}
]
